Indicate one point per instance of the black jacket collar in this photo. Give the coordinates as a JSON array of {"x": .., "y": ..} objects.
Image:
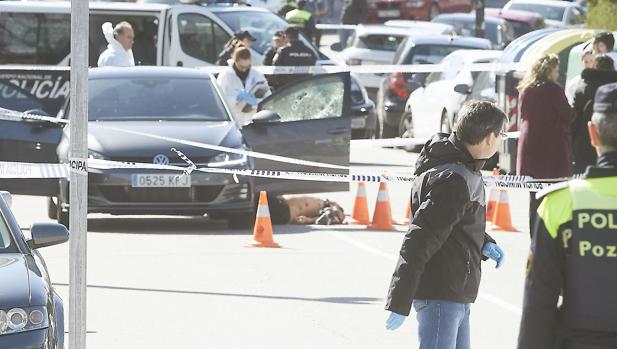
[{"x": 606, "y": 166}]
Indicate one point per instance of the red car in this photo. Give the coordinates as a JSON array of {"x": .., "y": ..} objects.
[{"x": 382, "y": 10}]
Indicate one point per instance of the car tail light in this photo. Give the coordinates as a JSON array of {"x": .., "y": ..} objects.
[{"x": 397, "y": 84}]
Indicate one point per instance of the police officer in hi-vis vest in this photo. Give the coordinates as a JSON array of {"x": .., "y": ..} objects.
[
  {"x": 302, "y": 19},
  {"x": 574, "y": 250}
]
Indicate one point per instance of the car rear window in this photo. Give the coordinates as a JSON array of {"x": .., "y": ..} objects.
[
  {"x": 150, "y": 98},
  {"x": 380, "y": 42},
  {"x": 548, "y": 12},
  {"x": 431, "y": 54}
]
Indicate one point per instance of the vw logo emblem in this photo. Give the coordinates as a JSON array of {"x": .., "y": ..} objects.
[{"x": 160, "y": 159}]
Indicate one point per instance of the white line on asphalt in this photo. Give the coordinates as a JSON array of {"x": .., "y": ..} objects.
[{"x": 392, "y": 257}]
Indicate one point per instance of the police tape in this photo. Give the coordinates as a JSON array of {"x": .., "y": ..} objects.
[
  {"x": 45, "y": 170},
  {"x": 12, "y": 115},
  {"x": 374, "y": 69}
]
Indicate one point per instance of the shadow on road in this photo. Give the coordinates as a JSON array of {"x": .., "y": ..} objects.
[
  {"x": 338, "y": 300},
  {"x": 180, "y": 226}
]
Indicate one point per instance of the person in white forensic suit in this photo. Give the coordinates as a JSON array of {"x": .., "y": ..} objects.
[
  {"x": 119, "y": 51},
  {"x": 242, "y": 86}
]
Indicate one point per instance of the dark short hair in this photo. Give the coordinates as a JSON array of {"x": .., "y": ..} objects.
[
  {"x": 603, "y": 62},
  {"x": 606, "y": 38},
  {"x": 292, "y": 33},
  {"x": 478, "y": 119},
  {"x": 606, "y": 124},
  {"x": 241, "y": 52}
]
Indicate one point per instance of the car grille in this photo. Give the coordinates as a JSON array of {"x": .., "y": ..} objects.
[
  {"x": 388, "y": 5},
  {"x": 160, "y": 195}
]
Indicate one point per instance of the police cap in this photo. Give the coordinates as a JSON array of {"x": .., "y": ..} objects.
[{"x": 606, "y": 99}]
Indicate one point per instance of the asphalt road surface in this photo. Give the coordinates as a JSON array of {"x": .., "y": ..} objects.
[{"x": 186, "y": 282}]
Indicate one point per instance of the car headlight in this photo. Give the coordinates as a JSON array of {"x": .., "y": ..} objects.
[
  {"x": 23, "y": 319},
  {"x": 227, "y": 160},
  {"x": 96, "y": 155}
]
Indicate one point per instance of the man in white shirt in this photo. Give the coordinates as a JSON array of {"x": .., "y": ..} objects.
[
  {"x": 604, "y": 43},
  {"x": 119, "y": 52}
]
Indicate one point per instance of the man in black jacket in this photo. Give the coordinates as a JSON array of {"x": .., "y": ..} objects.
[
  {"x": 601, "y": 73},
  {"x": 354, "y": 12},
  {"x": 295, "y": 54},
  {"x": 438, "y": 270}
]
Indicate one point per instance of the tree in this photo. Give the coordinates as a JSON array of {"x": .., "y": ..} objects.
[{"x": 602, "y": 14}]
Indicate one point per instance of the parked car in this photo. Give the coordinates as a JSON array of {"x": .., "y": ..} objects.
[
  {"x": 363, "y": 114},
  {"x": 556, "y": 13},
  {"x": 522, "y": 22},
  {"x": 31, "y": 311},
  {"x": 396, "y": 87},
  {"x": 186, "y": 104},
  {"x": 424, "y": 10},
  {"x": 433, "y": 107},
  {"x": 421, "y": 27},
  {"x": 497, "y": 30}
]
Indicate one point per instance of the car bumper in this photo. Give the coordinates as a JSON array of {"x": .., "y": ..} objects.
[
  {"x": 111, "y": 191},
  {"x": 38, "y": 339},
  {"x": 382, "y": 15}
]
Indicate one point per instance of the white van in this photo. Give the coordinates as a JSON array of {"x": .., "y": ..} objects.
[{"x": 38, "y": 32}]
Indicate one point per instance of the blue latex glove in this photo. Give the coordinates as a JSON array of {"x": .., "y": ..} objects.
[
  {"x": 394, "y": 321},
  {"x": 242, "y": 95},
  {"x": 250, "y": 99},
  {"x": 494, "y": 252}
]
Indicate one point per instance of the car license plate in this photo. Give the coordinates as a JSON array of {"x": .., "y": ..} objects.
[
  {"x": 160, "y": 181},
  {"x": 358, "y": 123},
  {"x": 389, "y": 13}
]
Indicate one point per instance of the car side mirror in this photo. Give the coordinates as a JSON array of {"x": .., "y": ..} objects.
[
  {"x": 265, "y": 117},
  {"x": 47, "y": 234},
  {"x": 462, "y": 89},
  {"x": 336, "y": 47}
]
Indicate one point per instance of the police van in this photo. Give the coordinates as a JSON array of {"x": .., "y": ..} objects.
[{"x": 189, "y": 35}]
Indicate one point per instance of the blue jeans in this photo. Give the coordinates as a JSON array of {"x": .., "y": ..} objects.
[
  {"x": 344, "y": 35},
  {"x": 442, "y": 324}
]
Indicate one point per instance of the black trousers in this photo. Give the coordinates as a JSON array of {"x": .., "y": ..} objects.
[{"x": 533, "y": 212}]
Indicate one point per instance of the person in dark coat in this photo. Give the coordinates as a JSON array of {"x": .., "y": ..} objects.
[
  {"x": 296, "y": 54},
  {"x": 438, "y": 271},
  {"x": 354, "y": 12},
  {"x": 544, "y": 144},
  {"x": 278, "y": 41},
  {"x": 602, "y": 73}
]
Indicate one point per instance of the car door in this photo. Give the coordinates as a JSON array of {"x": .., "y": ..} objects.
[
  {"x": 314, "y": 125},
  {"x": 196, "y": 40},
  {"x": 27, "y": 141}
]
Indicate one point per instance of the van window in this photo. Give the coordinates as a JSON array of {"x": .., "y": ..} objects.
[
  {"x": 200, "y": 37},
  {"x": 34, "y": 38},
  {"x": 146, "y": 36}
]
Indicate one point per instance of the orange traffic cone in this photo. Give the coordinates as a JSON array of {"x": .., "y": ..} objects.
[
  {"x": 382, "y": 217},
  {"x": 503, "y": 221},
  {"x": 493, "y": 196},
  {"x": 262, "y": 233},
  {"x": 360, "y": 207}
]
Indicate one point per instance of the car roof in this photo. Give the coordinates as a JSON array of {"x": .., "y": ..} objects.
[
  {"x": 552, "y": 3},
  {"x": 512, "y": 15},
  {"x": 233, "y": 8},
  {"x": 421, "y": 25},
  {"x": 380, "y": 29},
  {"x": 471, "y": 56},
  {"x": 514, "y": 51},
  {"x": 467, "y": 17},
  {"x": 555, "y": 43},
  {"x": 447, "y": 40},
  {"x": 147, "y": 71},
  {"x": 65, "y": 6}
]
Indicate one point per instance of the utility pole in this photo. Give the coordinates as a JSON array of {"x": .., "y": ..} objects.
[
  {"x": 479, "y": 4},
  {"x": 78, "y": 220}
]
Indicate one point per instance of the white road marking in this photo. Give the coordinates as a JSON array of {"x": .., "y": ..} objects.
[{"x": 394, "y": 257}]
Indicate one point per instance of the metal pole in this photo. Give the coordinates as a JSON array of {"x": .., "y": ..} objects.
[
  {"x": 479, "y": 18},
  {"x": 79, "y": 176}
]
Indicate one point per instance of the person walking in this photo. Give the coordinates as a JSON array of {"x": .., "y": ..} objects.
[
  {"x": 545, "y": 144},
  {"x": 601, "y": 73},
  {"x": 294, "y": 54},
  {"x": 354, "y": 12},
  {"x": 574, "y": 250},
  {"x": 240, "y": 38},
  {"x": 438, "y": 271},
  {"x": 242, "y": 86},
  {"x": 302, "y": 19},
  {"x": 278, "y": 41},
  {"x": 120, "y": 41}
]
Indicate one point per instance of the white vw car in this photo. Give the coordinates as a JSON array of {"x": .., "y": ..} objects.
[{"x": 433, "y": 107}]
